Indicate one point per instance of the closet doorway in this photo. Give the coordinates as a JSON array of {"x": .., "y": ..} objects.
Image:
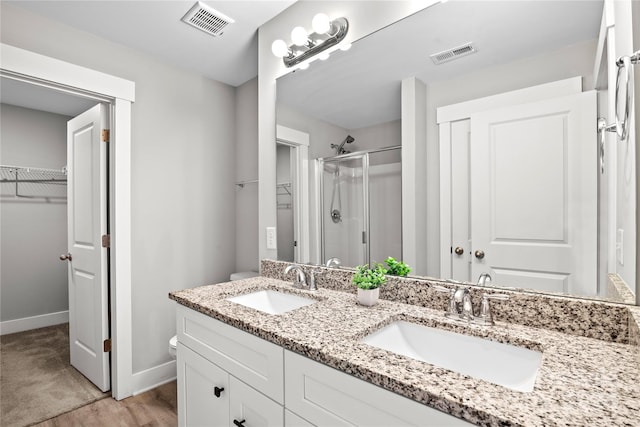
[
  {"x": 70, "y": 79},
  {"x": 54, "y": 193}
]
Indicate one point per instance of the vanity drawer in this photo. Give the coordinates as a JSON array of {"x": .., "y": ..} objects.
[
  {"x": 247, "y": 357},
  {"x": 326, "y": 396}
]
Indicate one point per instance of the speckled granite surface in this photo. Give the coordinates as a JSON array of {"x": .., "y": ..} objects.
[
  {"x": 582, "y": 381},
  {"x": 582, "y": 317}
]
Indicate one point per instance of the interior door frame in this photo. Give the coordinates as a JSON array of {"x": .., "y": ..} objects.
[
  {"x": 299, "y": 143},
  {"x": 462, "y": 111},
  {"x": 33, "y": 68}
]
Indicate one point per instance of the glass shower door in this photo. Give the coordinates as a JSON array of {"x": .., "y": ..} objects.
[{"x": 344, "y": 210}]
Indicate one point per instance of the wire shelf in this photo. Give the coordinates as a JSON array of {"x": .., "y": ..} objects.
[{"x": 32, "y": 183}]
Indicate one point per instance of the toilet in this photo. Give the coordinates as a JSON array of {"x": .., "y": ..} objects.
[{"x": 173, "y": 342}]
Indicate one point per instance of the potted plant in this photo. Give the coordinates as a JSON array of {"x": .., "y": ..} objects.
[
  {"x": 368, "y": 280},
  {"x": 397, "y": 268}
]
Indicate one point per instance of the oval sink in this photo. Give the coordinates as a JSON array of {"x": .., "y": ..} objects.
[
  {"x": 503, "y": 364},
  {"x": 272, "y": 302}
]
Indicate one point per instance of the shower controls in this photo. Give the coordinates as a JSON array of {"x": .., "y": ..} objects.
[
  {"x": 459, "y": 250},
  {"x": 479, "y": 254},
  {"x": 336, "y": 216}
]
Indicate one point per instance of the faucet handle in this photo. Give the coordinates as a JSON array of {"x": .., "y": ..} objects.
[
  {"x": 452, "y": 309},
  {"x": 486, "y": 316}
]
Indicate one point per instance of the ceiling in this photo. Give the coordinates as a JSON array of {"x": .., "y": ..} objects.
[
  {"x": 361, "y": 87},
  {"x": 155, "y": 27}
]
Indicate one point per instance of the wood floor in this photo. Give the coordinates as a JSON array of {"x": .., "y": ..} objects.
[{"x": 156, "y": 407}]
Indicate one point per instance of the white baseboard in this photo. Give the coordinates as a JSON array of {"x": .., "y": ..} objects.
[
  {"x": 34, "y": 322},
  {"x": 154, "y": 377}
]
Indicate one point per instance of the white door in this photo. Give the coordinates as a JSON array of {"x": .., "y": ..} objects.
[
  {"x": 87, "y": 222},
  {"x": 534, "y": 194},
  {"x": 251, "y": 408}
]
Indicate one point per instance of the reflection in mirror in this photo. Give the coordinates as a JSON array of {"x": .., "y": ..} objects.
[
  {"x": 360, "y": 206},
  {"x": 552, "y": 221},
  {"x": 285, "y": 205}
]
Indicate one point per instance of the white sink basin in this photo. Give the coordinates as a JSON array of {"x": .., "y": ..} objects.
[
  {"x": 502, "y": 364},
  {"x": 272, "y": 302}
]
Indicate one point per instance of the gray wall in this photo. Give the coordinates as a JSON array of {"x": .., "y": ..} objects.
[
  {"x": 182, "y": 161},
  {"x": 33, "y": 281},
  {"x": 247, "y": 170}
]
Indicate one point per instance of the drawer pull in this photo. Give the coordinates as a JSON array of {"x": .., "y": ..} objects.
[
  {"x": 239, "y": 423},
  {"x": 218, "y": 390}
]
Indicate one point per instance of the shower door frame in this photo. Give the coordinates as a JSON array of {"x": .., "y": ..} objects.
[{"x": 320, "y": 228}]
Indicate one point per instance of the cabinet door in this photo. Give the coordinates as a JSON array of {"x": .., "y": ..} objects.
[
  {"x": 328, "y": 397},
  {"x": 203, "y": 391},
  {"x": 293, "y": 420},
  {"x": 253, "y": 409}
]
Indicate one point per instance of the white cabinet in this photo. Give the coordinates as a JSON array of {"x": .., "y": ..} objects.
[
  {"x": 224, "y": 375},
  {"x": 326, "y": 396},
  {"x": 227, "y": 377},
  {"x": 253, "y": 409},
  {"x": 203, "y": 391}
]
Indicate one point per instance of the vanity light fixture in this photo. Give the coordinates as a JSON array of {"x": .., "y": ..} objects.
[{"x": 326, "y": 33}]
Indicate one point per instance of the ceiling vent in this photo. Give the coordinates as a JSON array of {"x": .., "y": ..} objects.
[
  {"x": 455, "y": 53},
  {"x": 207, "y": 19}
]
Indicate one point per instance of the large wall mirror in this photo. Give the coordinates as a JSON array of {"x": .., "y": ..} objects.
[{"x": 514, "y": 177}]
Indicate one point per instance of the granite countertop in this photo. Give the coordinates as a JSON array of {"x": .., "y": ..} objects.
[{"x": 582, "y": 381}]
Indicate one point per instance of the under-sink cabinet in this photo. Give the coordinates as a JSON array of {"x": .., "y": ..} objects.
[{"x": 228, "y": 377}]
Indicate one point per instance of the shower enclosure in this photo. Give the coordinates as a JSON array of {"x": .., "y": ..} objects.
[{"x": 360, "y": 206}]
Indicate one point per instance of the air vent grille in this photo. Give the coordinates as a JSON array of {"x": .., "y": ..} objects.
[
  {"x": 455, "y": 53},
  {"x": 207, "y": 19}
]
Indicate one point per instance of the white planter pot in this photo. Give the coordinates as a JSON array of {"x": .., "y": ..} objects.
[{"x": 368, "y": 297}]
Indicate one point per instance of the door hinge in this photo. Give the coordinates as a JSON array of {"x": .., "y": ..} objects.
[
  {"x": 106, "y": 240},
  {"x": 106, "y": 345},
  {"x": 105, "y": 135}
]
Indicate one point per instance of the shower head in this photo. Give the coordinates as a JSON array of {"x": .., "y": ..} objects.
[{"x": 340, "y": 148}]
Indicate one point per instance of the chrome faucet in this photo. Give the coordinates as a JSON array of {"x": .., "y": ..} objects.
[
  {"x": 333, "y": 262},
  {"x": 460, "y": 305},
  {"x": 301, "y": 278},
  {"x": 484, "y": 279}
]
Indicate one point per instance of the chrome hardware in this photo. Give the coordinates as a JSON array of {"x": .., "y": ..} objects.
[
  {"x": 333, "y": 262},
  {"x": 301, "y": 278},
  {"x": 621, "y": 125},
  {"x": 458, "y": 250},
  {"x": 460, "y": 305},
  {"x": 218, "y": 391},
  {"x": 486, "y": 316},
  {"x": 479, "y": 254},
  {"x": 65, "y": 257},
  {"x": 452, "y": 309},
  {"x": 484, "y": 279}
]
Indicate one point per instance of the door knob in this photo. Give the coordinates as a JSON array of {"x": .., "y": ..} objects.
[
  {"x": 458, "y": 250},
  {"x": 479, "y": 254},
  {"x": 65, "y": 257}
]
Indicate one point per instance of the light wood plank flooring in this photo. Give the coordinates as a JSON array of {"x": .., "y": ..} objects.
[{"x": 156, "y": 407}]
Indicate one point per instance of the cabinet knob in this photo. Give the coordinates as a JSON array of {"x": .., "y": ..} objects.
[
  {"x": 218, "y": 390},
  {"x": 239, "y": 423},
  {"x": 479, "y": 254},
  {"x": 458, "y": 250}
]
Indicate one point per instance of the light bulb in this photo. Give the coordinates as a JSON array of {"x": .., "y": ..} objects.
[
  {"x": 303, "y": 65},
  {"x": 280, "y": 48},
  {"x": 323, "y": 56},
  {"x": 321, "y": 23},
  {"x": 299, "y": 36}
]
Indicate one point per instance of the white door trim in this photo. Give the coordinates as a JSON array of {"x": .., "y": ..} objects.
[
  {"x": 299, "y": 141},
  {"x": 41, "y": 70}
]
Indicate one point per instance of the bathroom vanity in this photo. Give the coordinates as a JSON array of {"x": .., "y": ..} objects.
[{"x": 239, "y": 365}]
